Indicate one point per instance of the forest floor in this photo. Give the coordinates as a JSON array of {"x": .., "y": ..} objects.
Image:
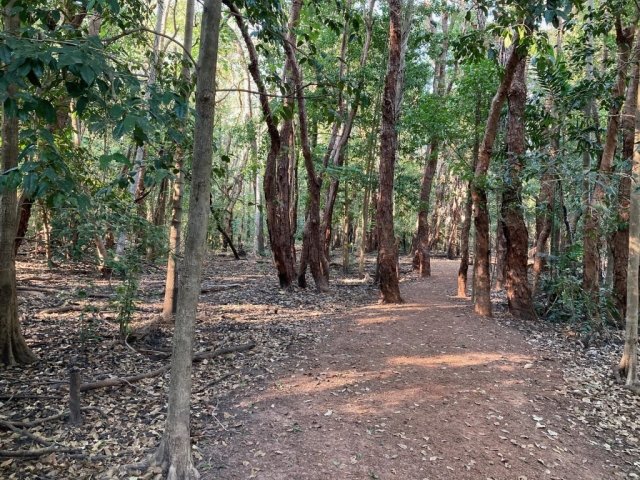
[{"x": 336, "y": 387}]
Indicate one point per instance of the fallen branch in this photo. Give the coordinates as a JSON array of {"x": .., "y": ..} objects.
[
  {"x": 38, "y": 421},
  {"x": 219, "y": 288},
  {"x": 24, "y": 433},
  {"x": 38, "y": 289},
  {"x": 116, "y": 382},
  {"x": 63, "y": 309},
  {"x": 36, "y": 452}
]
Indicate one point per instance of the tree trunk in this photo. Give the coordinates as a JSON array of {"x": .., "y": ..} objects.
[
  {"x": 463, "y": 271},
  {"x": 421, "y": 260},
  {"x": 620, "y": 238},
  {"x": 515, "y": 228},
  {"x": 338, "y": 151},
  {"x": 387, "y": 253},
  {"x": 591, "y": 236},
  {"x": 26, "y": 205},
  {"x": 159, "y": 212},
  {"x": 13, "y": 348},
  {"x": 481, "y": 265},
  {"x": 174, "y": 453},
  {"x": 501, "y": 246},
  {"x": 317, "y": 261},
  {"x": 173, "y": 265},
  {"x": 282, "y": 256},
  {"x": 629, "y": 362}
]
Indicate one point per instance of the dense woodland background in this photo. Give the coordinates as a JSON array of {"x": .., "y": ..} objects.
[{"x": 137, "y": 135}]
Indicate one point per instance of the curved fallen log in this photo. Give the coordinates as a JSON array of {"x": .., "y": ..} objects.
[
  {"x": 36, "y": 452},
  {"x": 116, "y": 382}
]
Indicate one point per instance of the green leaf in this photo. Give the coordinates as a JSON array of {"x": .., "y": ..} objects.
[
  {"x": 116, "y": 112},
  {"x": 46, "y": 111},
  {"x": 104, "y": 161},
  {"x": 81, "y": 104},
  {"x": 87, "y": 74},
  {"x": 47, "y": 136}
]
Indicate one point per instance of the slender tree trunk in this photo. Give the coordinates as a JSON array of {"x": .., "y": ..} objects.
[
  {"x": 421, "y": 260},
  {"x": 482, "y": 271},
  {"x": 515, "y": 228},
  {"x": 174, "y": 453},
  {"x": 463, "y": 271},
  {"x": 501, "y": 246},
  {"x": 591, "y": 236},
  {"x": 13, "y": 348},
  {"x": 338, "y": 151},
  {"x": 620, "y": 238},
  {"x": 387, "y": 252},
  {"x": 282, "y": 257},
  {"x": 317, "y": 261},
  {"x": 26, "y": 205},
  {"x": 160, "y": 211},
  {"x": 173, "y": 265},
  {"x": 629, "y": 362}
]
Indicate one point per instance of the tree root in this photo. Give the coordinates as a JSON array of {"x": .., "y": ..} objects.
[{"x": 24, "y": 433}]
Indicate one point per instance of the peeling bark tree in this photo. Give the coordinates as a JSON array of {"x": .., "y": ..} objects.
[
  {"x": 482, "y": 272},
  {"x": 620, "y": 238},
  {"x": 316, "y": 254},
  {"x": 591, "y": 236},
  {"x": 387, "y": 252},
  {"x": 514, "y": 226},
  {"x": 13, "y": 348},
  {"x": 171, "y": 283},
  {"x": 282, "y": 255},
  {"x": 421, "y": 260},
  {"x": 629, "y": 363},
  {"x": 174, "y": 453}
]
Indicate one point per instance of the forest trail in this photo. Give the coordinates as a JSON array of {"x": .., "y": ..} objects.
[{"x": 423, "y": 390}]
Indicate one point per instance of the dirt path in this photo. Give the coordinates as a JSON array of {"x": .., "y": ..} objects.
[{"x": 425, "y": 390}]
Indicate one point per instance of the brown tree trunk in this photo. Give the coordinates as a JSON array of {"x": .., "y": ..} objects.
[
  {"x": 317, "y": 261},
  {"x": 281, "y": 249},
  {"x": 482, "y": 271},
  {"x": 387, "y": 252},
  {"x": 173, "y": 265},
  {"x": 620, "y": 238},
  {"x": 591, "y": 236},
  {"x": 338, "y": 151},
  {"x": 23, "y": 223},
  {"x": 629, "y": 362},
  {"x": 421, "y": 260},
  {"x": 13, "y": 348},
  {"x": 174, "y": 453},
  {"x": 159, "y": 212},
  {"x": 515, "y": 228},
  {"x": 463, "y": 271},
  {"x": 501, "y": 246}
]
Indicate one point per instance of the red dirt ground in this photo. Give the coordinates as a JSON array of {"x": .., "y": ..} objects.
[{"x": 423, "y": 390}]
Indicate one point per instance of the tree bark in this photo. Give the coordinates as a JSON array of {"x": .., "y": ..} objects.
[
  {"x": 338, "y": 151},
  {"x": 387, "y": 252},
  {"x": 620, "y": 238},
  {"x": 463, "y": 271},
  {"x": 421, "y": 260},
  {"x": 173, "y": 265},
  {"x": 282, "y": 257},
  {"x": 591, "y": 235},
  {"x": 13, "y": 348},
  {"x": 482, "y": 272},
  {"x": 317, "y": 261},
  {"x": 174, "y": 453},
  {"x": 515, "y": 229},
  {"x": 629, "y": 362}
]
